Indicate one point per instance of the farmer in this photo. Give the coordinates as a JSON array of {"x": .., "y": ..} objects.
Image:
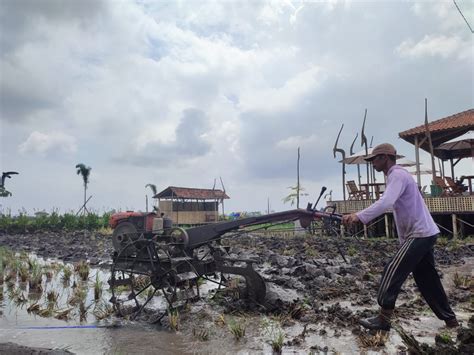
[{"x": 417, "y": 234}]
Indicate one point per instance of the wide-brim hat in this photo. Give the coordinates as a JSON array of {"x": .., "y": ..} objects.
[{"x": 384, "y": 148}]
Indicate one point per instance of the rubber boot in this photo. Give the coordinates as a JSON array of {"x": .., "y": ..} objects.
[
  {"x": 452, "y": 323},
  {"x": 379, "y": 322}
]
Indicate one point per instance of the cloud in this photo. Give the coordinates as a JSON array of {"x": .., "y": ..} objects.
[
  {"x": 261, "y": 78},
  {"x": 293, "y": 142},
  {"x": 48, "y": 143},
  {"x": 443, "y": 46},
  {"x": 285, "y": 97},
  {"x": 190, "y": 142},
  {"x": 444, "y": 13}
]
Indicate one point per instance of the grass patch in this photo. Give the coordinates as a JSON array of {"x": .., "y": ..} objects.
[{"x": 237, "y": 327}]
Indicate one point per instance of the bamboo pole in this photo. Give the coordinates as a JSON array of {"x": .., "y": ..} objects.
[
  {"x": 428, "y": 134},
  {"x": 364, "y": 142},
  {"x": 343, "y": 153}
]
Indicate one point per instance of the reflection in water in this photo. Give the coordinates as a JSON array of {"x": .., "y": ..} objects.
[{"x": 70, "y": 313}]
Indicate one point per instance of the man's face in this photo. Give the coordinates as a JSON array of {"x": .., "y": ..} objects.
[{"x": 380, "y": 162}]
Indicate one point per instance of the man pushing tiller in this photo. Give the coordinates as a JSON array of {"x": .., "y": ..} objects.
[{"x": 417, "y": 234}]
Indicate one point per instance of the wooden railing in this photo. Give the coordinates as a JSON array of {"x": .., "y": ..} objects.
[{"x": 449, "y": 204}]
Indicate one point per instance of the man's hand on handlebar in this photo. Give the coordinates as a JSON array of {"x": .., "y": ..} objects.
[{"x": 349, "y": 219}]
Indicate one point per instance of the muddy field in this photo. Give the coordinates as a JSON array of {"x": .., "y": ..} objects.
[{"x": 314, "y": 298}]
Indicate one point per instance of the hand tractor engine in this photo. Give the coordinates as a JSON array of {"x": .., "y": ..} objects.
[{"x": 151, "y": 256}]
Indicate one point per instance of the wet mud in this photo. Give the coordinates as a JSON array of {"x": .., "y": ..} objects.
[{"x": 317, "y": 290}]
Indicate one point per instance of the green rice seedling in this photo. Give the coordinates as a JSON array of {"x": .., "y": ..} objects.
[
  {"x": 140, "y": 282},
  {"x": 2, "y": 272},
  {"x": 277, "y": 342},
  {"x": 48, "y": 273},
  {"x": 151, "y": 292},
  {"x": 237, "y": 328},
  {"x": 462, "y": 282},
  {"x": 82, "y": 269},
  {"x": 275, "y": 334},
  {"x": 173, "y": 319},
  {"x": 46, "y": 312},
  {"x": 11, "y": 275},
  {"x": 297, "y": 310},
  {"x": 36, "y": 278},
  {"x": 98, "y": 285},
  {"x": 82, "y": 312},
  {"x": 64, "y": 314},
  {"x": 52, "y": 297},
  {"x": 103, "y": 310},
  {"x": 121, "y": 289},
  {"x": 201, "y": 334},
  {"x": 13, "y": 292},
  {"x": 351, "y": 251},
  {"x": 35, "y": 295},
  {"x": 20, "y": 299},
  {"x": 32, "y": 263},
  {"x": 220, "y": 320},
  {"x": 23, "y": 272},
  {"x": 444, "y": 338},
  {"x": 67, "y": 272},
  {"x": 24, "y": 256},
  {"x": 11, "y": 283},
  {"x": 78, "y": 296},
  {"x": 367, "y": 340},
  {"x": 33, "y": 308}
]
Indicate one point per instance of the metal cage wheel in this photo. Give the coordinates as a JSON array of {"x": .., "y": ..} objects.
[{"x": 131, "y": 278}]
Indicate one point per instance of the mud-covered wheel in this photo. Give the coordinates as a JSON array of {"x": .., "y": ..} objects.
[
  {"x": 131, "y": 278},
  {"x": 140, "y": 271}
]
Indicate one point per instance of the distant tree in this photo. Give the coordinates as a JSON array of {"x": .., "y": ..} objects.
[
  {"x": 152, "y": 187},
  {"x": 296, "y": 191},
  {"x": 153, "y": 190},
  {"x": 84, "y": 171},
  {"x": 3, "y": 191}
]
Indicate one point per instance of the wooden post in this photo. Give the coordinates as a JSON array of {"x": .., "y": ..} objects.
[
  {"x": 364, "y": 143},
  {"x": 455, "y": 226},
  {"x": 298, "y": 180},
  {"x": 365, "y": 231},
  {"x": 387, "y": 229},
  {"x": 342, "y": 151},
  {"x": 417, "y": 158},
  {"x": 430, "y": 143}
]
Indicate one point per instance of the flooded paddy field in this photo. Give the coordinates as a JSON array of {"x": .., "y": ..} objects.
[{"x": 50, "y": 299}]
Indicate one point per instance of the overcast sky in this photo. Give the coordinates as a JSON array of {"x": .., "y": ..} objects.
[{"x": 183, "y": 92}]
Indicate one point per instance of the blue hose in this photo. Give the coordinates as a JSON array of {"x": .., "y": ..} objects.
[{"x": 70, "y": 327}]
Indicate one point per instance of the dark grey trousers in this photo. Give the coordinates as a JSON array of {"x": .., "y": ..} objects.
[{"x": 415, "y": 255}]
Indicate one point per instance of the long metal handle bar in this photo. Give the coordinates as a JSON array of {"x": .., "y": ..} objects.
[{"x": 203, "y": 234}]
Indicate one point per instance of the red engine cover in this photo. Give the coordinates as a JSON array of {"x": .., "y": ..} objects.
[{"x": 116, "y": 218}]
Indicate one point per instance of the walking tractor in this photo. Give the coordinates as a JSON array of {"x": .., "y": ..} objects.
[{"x": 153, "y": 257}]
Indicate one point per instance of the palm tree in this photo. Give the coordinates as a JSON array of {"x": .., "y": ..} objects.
[
  {"x": 84, "y": 171},
  {"x": 153, "y": 190},
  {"x": 152, "y": 187},
  {"x": 3, "y": 191}
]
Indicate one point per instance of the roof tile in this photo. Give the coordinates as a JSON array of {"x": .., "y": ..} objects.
[
  {"x": 191, "y": 193},
  {"x": 458, "y": 120}
]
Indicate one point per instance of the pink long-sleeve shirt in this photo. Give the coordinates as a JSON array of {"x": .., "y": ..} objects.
[{"x": 411, "y": 215}]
